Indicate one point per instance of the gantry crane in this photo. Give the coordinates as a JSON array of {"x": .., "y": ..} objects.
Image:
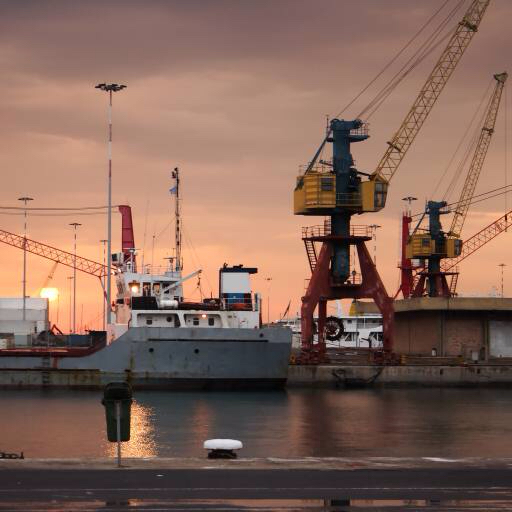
[
  {"x": 338, "y": 190},
  {"x": 433, "y": 245}
]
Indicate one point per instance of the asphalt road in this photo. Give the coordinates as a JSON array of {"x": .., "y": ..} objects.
[{"x": 82, "y": 485}]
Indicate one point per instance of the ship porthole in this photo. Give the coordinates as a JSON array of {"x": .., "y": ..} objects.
[
  {"x": 196, "y": 351},
  {"x": 151, "y": 350}
]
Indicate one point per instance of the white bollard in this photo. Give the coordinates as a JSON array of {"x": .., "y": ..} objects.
[{"x": 222, "y": 448}]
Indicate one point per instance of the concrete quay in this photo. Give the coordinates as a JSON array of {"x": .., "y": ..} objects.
[
  {"x": 97, "y": 484},
  {"x": 427, "y": 375}
]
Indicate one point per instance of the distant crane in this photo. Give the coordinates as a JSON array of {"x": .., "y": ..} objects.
[{"x": 433, "y": 245}]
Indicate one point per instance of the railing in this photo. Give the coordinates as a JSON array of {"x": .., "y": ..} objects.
[
  {"x": 323, "y": 167},
  {"x": 238, "y": 304},
  {"x": 362, "y": 131},
  {"x": 348, "y": 199},
  {"x": 324, "y": 229},
  {"x": 355, "y": 278}
]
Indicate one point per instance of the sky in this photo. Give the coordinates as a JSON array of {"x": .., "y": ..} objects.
[{"x": 235, "y": 93}]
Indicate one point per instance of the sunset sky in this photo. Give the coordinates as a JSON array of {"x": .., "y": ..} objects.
[{"x": 235, "y": 93}]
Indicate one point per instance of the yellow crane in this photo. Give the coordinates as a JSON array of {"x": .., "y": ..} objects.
[{"x": 433, "y": 244}]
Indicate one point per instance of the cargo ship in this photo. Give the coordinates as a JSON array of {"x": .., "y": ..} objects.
[{"x": 159, "y": 340}]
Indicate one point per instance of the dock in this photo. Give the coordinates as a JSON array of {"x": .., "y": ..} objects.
[{"x": 342, "y": 481}]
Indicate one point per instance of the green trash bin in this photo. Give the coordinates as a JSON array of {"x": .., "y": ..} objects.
[{"x": 121, "y": 393}]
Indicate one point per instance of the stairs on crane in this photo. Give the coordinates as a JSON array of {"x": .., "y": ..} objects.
[
  {"x": 453, "y": 284},
  {"x": 311, "y": 252}
]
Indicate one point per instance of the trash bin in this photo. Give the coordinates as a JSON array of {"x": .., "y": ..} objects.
[{"x": 117, "y": 392}]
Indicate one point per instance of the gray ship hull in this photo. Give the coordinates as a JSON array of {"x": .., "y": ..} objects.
[{"x": 162, "y": 358}]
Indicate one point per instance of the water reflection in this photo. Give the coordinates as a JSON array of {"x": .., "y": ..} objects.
[
  {"x": 294, "y": 423},
  {"x": 142, "y": 438}
]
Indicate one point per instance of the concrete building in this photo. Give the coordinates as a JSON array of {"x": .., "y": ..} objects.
[
  {"x": 15, "y": 331},
  {"x": 470, "y": 327}
]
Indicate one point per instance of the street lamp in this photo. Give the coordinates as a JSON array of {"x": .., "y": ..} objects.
[
  {"x": 25, "y": 200},
  {"x": 502, "y": 265},
  {"x": 409, "y": 200},
  {"x": 109, "y": 88},
  {"x": 374, "y": 229},
  {"x": 75, "y": 226}
]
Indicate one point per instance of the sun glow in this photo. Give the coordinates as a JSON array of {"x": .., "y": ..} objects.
[{"x": 51, "y": 294}]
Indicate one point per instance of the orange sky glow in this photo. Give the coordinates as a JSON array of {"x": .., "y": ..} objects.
[{"x": 235, "y": 94}]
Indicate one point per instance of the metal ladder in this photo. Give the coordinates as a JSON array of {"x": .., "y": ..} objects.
[
  {"x": 311, "y": 252},
  {"x": 453, "y": 284},
  {"x": 45, "y": 374}
]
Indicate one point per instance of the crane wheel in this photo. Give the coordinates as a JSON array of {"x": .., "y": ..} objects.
[{"x": 334, "y": 328}]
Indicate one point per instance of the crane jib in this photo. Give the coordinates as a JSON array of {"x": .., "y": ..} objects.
[{"x": 433, "y": 87}]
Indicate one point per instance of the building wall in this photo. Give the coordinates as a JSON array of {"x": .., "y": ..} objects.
[{"x": 454, "y": 333}]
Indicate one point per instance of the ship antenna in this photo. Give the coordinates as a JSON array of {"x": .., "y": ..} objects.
[{"x": 177, "y": 214}]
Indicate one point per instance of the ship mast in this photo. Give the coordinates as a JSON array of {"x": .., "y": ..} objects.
[{"x": 177, "y": 215}]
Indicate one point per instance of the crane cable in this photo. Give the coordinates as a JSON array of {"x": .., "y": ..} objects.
[
  {"x": 423, "y": 51},
  {"x": 415, "y": 60},
  {"x": 392, "y": 61},
  {"x": 462, "y": 140},
  {"x": 470, "y": 149},
  {"x": 478, "y": 198}
]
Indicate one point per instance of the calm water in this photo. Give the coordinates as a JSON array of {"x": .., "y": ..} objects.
[{"x": 397, "y": 422}]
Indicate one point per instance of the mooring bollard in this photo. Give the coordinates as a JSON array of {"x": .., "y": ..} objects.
[
  {"x": 222, "y": 448},
  {"x": 117, "y": 399}
]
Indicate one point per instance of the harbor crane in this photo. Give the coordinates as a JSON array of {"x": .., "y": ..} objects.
[
  {"x": 433, "y": 245},
  {"x": 338, "y": 190}
]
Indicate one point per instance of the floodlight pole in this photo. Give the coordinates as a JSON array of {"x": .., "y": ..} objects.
[
  {"x": 103, "y": 279},
  {"x": 110, "y": 88},
  {"x": 75, "y": 226},
  {"x": 25, "y": 200}
]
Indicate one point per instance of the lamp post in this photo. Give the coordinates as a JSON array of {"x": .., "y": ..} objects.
[
  {"x": 75, "y": 226},
  {"x": 25, "y": 200},
  {"x": 70, "y": 278},
  {"x": 374, "y": 229},
  {"x": 502, "y": 266},
  {"x": 409, "y": 200},
  {"x": 109, "y": 88},
  {"x": 103, "y": 279}
]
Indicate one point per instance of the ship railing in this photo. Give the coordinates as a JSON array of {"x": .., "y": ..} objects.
[
  {"x": 238, "y": 304},
  {"x": 158, "y": 270},
  {"x": 321, "y": 230}
]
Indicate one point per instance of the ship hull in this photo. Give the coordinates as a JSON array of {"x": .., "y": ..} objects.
[{"x": 162, "y": 358}]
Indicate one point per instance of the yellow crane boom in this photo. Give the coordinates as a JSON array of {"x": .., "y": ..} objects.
[
  {"x": 477, "y": 161},
  {"x": 403, "y": 138}
]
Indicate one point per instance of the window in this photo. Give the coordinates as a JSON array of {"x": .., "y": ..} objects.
[
  {"x": 195, "y": 321},
  {"x": 380, "y": 194},
  {"x": 149, "y": 321},
  {"x": 211, "y": 321},
  {"x": 156, "y": 288},
  {"x": 326, "y": 184},
  {"x": 146, "y": 289}
]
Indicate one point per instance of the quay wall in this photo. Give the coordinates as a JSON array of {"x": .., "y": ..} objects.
[{"x": 473, "y": 375}]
